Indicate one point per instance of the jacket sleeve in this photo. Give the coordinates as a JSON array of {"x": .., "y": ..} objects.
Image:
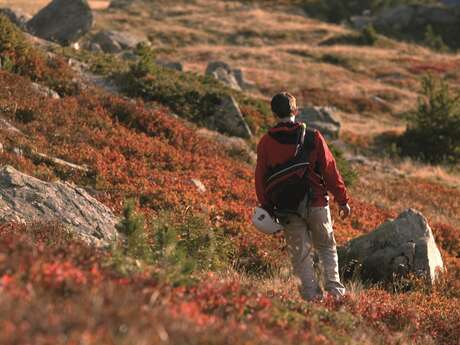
[
  {"x": 261, "y": 170},
  {"x": 328, "y": 169}
]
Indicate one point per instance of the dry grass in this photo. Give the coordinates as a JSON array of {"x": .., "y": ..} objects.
[
  {"x": 31, "y": 7},
  {"x": 433, "y": 191},
  {"x": 279, "y": 48}
]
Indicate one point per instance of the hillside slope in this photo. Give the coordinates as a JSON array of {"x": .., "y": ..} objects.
[{"x": 214, "y": 279}]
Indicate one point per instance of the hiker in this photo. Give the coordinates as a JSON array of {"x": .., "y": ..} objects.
[{"x": 306, "y": 221}]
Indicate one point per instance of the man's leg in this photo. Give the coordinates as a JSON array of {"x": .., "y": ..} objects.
[
  {"x": 320, "y": 223},
  {"x": 300, "y": 250}
]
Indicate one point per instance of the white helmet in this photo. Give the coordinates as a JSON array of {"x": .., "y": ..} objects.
[{"x": 264, "y": 222}]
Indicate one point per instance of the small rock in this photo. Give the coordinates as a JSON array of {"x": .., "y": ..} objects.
[
  {"x": 75, "y": 46},
  {"x": 62, "y": 21},
  {"x": 95, "y": 47},
  {"x": 322, "y": 119},
  {"x": 199, "y": 185},
  {"x": 116, "y": 41},
  {"x": 45, "y": 91},
  {"x": 358, "y": 159}
]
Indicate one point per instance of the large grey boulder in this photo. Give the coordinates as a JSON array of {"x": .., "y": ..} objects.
[
  {"x": 322, "y": 119},
  {"x": 24, "y": 198},
  {"x": 16, "y": 16},
  {"x": 62, "y": 21},
  {"x": 396, "y": 248},
  {"x": 227, "y": 118},
  {"x": 116, "y": 41}
]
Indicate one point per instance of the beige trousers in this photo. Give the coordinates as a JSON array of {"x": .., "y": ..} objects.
[{"x": 308, "y": 232}]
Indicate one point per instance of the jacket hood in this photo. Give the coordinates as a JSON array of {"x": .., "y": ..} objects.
[{"x": 285, "y": 132}]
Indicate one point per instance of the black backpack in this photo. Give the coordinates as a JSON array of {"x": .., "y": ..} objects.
[{"x": 286, "y": 185}]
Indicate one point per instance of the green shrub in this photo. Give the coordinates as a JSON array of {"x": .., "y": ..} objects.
[
  {"x": 189, "y": 95},
  {"x": 185, "y": 244},
  {"x": 251, "y": 262},
  {"x": 18, "y": 56},
  {"x": 433, "y": 132},
  {"x": 434, "y": 41},
  {"x": 132, "y": 226},
  {"x": 369, "y": 35},
  {"x": 346, "y": 170},
  {"x": 177, "y": 245}
]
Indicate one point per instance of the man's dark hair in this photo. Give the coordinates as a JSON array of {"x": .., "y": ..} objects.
[{"x": 283, "y": 104}]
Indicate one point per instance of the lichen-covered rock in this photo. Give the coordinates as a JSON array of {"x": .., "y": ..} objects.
[
  {"x": 24, "y": 198},
  {"x": 397, "y": 247},
  {"x": 233, "y": 78},
  {"x": 227, "y": 78},
  {"x": 62, "y": 21}
]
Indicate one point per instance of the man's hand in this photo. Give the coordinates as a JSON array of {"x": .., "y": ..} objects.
[{"x": 344, "y": 211}]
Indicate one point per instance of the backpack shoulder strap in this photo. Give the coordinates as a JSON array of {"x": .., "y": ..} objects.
[
  {"x": 310, "y": 138},
  {"x": 301, "y": 139}
]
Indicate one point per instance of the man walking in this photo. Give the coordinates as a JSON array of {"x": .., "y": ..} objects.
[{"x": 310, "y": 227}]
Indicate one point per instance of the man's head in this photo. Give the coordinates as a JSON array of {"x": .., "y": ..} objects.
[{"x": 284, "y": 105}]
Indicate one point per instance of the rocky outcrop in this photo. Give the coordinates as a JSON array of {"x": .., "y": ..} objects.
[
  {"x": 27, "y": 199},
  {"x": 396, "y": 248},
  {"x": 16, "y": 16},
  {"x": 233, "y": 78},
  {"x": 115, "y": 41},
  {"x": 322, "y": 119},
  {"x": 44, "y": 91},
  {"x": 62, "y": 21},
  {"x": 227, "y": 118}
]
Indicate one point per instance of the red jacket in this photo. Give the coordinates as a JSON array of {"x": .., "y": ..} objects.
[{"x": 323, "y": 175}]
